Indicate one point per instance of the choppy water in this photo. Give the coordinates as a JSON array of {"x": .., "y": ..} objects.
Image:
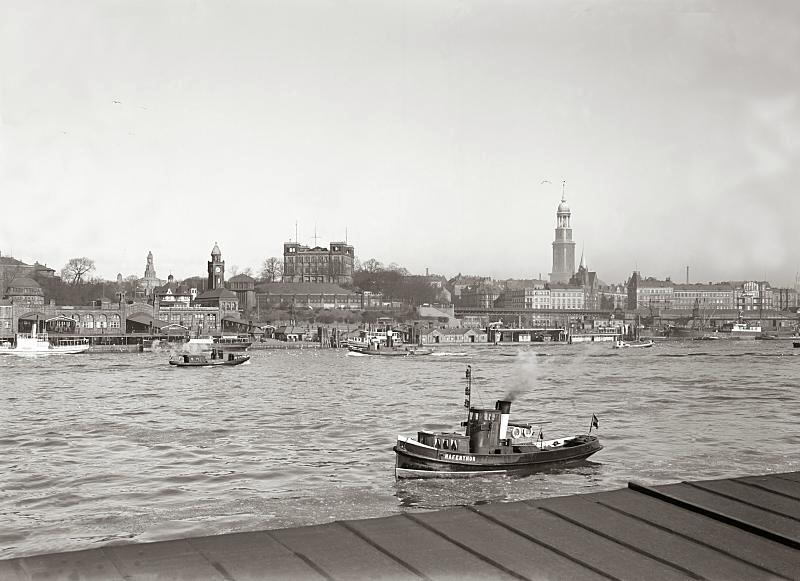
[{"x": 99, "y": 449}]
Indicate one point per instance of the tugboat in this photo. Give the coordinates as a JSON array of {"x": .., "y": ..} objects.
[{"x": 491, "y": 444}]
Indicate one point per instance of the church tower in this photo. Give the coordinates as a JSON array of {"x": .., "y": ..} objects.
[
  {"x": 216, "y": 269},
  {"x": 563, "y": 246}
]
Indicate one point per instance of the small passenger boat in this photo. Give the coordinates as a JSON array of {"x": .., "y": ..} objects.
[
  {"x": 491, "y": 444},
  {"x": 214, "y": 359},
  {"x": 796, "y": 344}
]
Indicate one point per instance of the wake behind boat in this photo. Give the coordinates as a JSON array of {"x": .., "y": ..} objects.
[
  {"x": 35, "y": 343},
  {"x": 491, "y": 444}
]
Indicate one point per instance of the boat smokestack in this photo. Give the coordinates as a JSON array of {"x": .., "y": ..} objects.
[{"x": 505, "y": 410}]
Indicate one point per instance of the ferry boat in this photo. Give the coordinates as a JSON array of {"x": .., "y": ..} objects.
[
  {"x": 374, "y": 338},
  {"x": 491, "y": 444},
  {"x": 742, "y": 330},
  {"x": 35, "y": 343},
  {"x": 216, "y": 358},
  {"x": 385, "y": 341}
]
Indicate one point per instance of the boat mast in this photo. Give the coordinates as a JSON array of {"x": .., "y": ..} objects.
[{"x": 468, "y": 390}]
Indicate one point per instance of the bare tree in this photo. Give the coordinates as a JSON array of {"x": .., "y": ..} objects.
[
  {"x": 272, "y": 269},
  {"x": 372, "y": 265},
  {"x": 77, "y": 269}
]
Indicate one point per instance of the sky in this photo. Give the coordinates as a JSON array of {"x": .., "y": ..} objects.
[{"x": 432, "y": 134}]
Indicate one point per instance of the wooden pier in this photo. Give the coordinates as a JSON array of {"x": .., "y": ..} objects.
[{"x": 741, "y": 528}]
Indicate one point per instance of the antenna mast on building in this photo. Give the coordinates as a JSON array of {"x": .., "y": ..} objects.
[
  {"x": 687, "y": 274},
  {"x": 296, "y": 241},
  {"x": 315, "y": 235}
]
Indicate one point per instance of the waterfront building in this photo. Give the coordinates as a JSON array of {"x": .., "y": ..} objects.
[
  {"x": 534, "y": 294},
  {"x": 245, "y": 288},
  {"x": 649, "y": 293},
  {"x": 196, "y": 319},
  {"x": 563, "y": 246},
  {"x": 612, "y": 296},
  {"x": 566, "y": 297},
  {"x": 284, "y": 295},
  {"x": 753, "y": 296},
  {"x": 714, "y": 296},
  {"x": 150, "y": 281},
  {"x": 172, "y": 294},
  {"x": 458, "y": 283},
  {"x": 11, "y": 268},
  {"x": 784, "y": 299},
  {"x": 318, "y": 265},
  {"x": 6, "y": 318},
  {"x": 481, "y": 296},
  {"x": 588, "y": 281},
  {"x": 24, "y": 291}
]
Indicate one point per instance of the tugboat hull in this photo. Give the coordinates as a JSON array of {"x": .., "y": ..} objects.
[{"x": 415, "y": 460}]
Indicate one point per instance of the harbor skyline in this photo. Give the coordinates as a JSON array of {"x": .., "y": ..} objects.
[{"x": 425, "y": 134}]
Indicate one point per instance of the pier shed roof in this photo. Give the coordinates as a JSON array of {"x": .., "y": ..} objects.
[{"x": 740, "y": 528}]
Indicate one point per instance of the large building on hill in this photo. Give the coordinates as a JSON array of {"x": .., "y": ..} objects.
[
  {"x": 318, "y": 265},
  {"x": 11, "y": 268}
]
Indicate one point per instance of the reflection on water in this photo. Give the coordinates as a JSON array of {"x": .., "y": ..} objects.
[{"x": 113, "y": 448}]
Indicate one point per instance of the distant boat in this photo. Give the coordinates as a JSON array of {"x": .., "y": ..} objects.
[
  {"x": 35, "y": 343},
  {"x": 383, "y": 341},
  {"x": 634, "y": 344},
  {"x": 742, "y": 330},
  {"x": 216, "y": 358},
  {"x": 796, "y": 344}
]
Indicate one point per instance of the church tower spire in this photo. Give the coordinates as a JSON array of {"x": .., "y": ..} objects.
[{"x": 563, "y": 246}]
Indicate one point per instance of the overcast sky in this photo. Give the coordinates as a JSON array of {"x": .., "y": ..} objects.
[{"x": 422, "y": 128}]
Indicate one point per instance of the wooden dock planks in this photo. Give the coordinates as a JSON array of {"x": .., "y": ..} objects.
[{"x": 741, "y": 528}]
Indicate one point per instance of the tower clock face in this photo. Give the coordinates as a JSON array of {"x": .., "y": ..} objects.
[{"x": 216, "y": 269}]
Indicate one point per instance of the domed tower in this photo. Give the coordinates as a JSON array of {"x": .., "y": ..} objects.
[
  {"x": 216, "y": 269},
  {"x": 563, "y": 246}
]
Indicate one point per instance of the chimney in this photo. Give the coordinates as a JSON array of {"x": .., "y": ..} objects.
[{"x": 505, "y": 411}]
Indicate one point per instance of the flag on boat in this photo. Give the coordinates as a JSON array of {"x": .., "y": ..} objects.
[{"x": 595, "y": 423}]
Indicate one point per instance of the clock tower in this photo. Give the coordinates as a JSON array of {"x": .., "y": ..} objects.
[{"x": 216, "y": 269}]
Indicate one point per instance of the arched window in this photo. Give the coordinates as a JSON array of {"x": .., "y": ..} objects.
[{"x": 88, "y": 321}]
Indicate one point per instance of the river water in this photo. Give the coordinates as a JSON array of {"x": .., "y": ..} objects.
[{"x": 120, "y": 448}]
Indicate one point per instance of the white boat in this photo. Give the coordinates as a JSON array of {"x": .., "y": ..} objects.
[
  {"x": 35, "y": 343},
  {"x": 374, "y": 339},
  {"x": 743, "y": 330},
  {"x": 619, "y": 344},
  {"x": 203, "y": 343}
]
